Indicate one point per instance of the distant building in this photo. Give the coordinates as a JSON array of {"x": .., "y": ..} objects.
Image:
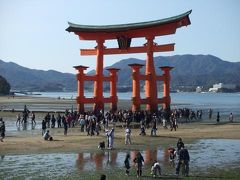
[
  {"x": 217, "y": 87},
  {"x": 199, "y": 89}
]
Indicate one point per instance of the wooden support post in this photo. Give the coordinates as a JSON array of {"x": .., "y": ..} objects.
[
  {"x": 113, "y": 88},
  {"x": 166, "y": 86},
  {"x": 150, "y": 83},
  {"x": 80, "y": 78},
  {"x": 136, "y": 98},
  {"x": 98, "y": 84}
]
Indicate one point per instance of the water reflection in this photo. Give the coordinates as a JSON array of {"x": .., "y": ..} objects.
[
  {"x": 33, "y": 126},
  {"x": 99, "y": 160},
  {"x": 200, "y": 154},
  {"x": 25, "y": 126},
  {"x": 107, "y": 159},
  {"x": 204, "y": 154}
]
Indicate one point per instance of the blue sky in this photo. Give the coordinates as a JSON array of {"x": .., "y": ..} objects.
[{"x": 32, "y": 32}]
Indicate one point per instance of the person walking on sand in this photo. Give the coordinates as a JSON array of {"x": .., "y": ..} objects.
[
  {"x": 138, "y": 160},
  {"x": 33, "y": 118},
  {"x": 53, "y": 121},
  {"x": 154, "y": 126},
  {"x": 65, "y": 125},
  {"x": 111, "y": 138},
  {"x": 127, "y": 136},
  {"x": 47, "y": 119},
  {"x": 44, "y": 126},
  {"x": 231, "y": 117},
  {"x": 210, "y": 113},
  {"x": 2, "y": 129},
  {"x": 18, "y": 119},
  {"x": 218, "y": 117},
  {"x": 59, "y": 119}
]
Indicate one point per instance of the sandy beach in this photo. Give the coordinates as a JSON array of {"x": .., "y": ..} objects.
[
  {"x": 30, "y": 142},
  {"x": 24, "y": 143},
  {"x": 76, "y": 141}
]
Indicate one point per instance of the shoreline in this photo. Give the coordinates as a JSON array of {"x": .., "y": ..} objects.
[
  {"x": 190, "y": 131},
  {"x": 51, "y": 104},
  {"x": 20, "y": 144},
  {"x": 31, "y": 141}
]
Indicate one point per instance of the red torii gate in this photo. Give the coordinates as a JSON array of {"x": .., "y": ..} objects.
[{"x": 124, "y": 34}]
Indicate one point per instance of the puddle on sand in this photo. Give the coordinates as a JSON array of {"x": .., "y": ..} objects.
[
  {"x": 203, "y": 154},
  {"x": 214, "y": 152}
]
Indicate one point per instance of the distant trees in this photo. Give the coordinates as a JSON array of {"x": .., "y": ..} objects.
[{"x": 4, "y": 86}]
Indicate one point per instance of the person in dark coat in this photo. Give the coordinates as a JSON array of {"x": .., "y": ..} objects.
[
  {"x": 184, "y": 159},
  {"x": 138, "y": 160},
  {"x": 218, "y": 117},
  {"x": 127, "y": 163},
  {"x": 180, "y": 144},
  {"x": 65, "y": 125},
  {"x": 44, "y": 126},
  {"x": 2, "y": 129}
]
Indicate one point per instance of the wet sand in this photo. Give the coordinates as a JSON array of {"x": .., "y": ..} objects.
[
  {"x": 31, "y": 141},
  {"x": 43, "y": 104},
  {"x": 26, "y": 142}
]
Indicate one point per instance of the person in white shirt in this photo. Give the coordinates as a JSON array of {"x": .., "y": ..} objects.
[
  {"x": 47, "y": 136},
  {"x": 127, "y": 136},
  {"x": 156, "y": 169}
]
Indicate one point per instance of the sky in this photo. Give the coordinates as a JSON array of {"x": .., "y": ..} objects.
[{"x": 32, "y": 32}]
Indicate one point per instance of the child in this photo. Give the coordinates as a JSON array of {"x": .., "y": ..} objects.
[
  {"x": 47, "y": 136},
  {"x": 156, "y": 169},
  {"x": 172, "y": 154},
  {"x": 127, "y": 163},
  {"x": 101, "y": 145}
]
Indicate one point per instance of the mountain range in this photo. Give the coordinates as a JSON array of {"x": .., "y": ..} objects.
[{"x": 189, "y": 71}]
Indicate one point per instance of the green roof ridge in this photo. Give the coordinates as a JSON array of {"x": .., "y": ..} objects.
[{"x": 77, "y": 27}]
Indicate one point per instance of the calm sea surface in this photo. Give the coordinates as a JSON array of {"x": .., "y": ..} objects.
[{"x": 223, "y": 102}]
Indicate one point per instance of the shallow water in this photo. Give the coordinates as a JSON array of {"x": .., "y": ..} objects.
[
  {"x": 223, "y": 102},
  {"x": 215, "y": 152},
  {"x": 204, "y": 154}
]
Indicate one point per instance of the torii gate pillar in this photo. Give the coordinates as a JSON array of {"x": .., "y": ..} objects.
[
  {"x": 80, "y": 79},
  {"x": 136, "y": 98},
  {"x": 150, "y": 83},
  {"x": 113, "y": 88},
  {"x": 98, "y": 83},
  {"x": 166, "y": 86}
]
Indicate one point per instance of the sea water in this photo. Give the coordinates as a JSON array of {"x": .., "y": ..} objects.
[
  {"x": 204, "y": 154},
  {"x": 222, "y": 102}
]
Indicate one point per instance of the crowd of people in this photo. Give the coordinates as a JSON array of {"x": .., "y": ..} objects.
[{"x": 92, "y": 123}]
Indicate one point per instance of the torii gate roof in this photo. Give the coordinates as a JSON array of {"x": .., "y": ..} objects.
[{"x": 155, "y": 28}]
